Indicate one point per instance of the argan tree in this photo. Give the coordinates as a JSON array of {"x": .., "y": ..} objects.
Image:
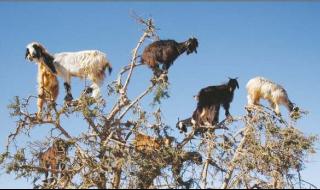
[{"x": 125, "y": 146}]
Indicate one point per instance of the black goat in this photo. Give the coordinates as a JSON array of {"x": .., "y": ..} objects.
[
  {"x": 209, "y": 101},
  {"x": 217, "y": 95},
  {"x": 166, "y": 52}
]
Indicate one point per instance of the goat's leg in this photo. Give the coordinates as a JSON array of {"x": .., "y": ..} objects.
[
  {"x": 46, "y": 173},
  {"x": 62, "y": 168},
  {"x": 54, "y": 171},
  {"x": 41, "y": 96},
  {"x": 156, "y": 70},
  {"x": 68, "y": 96},
  {"x": 277, "y": 109},
  {"x": 272, "y": 105},
  {"x": 226, "y": 107},
  {"x": 67, "y": 87},
  {"x": 165, "y": 67},
  {"x": 216, "y": 115},
  {"x": 253, "y": 99},
  {"x": 96, "y": 90},
  {"x": 40, "y": 105}
]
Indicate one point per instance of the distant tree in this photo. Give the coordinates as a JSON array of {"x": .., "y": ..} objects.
[{"x": 129, "y": 147}]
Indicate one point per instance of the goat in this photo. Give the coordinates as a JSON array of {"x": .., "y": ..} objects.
[
  {"x": 54, "y": 158},
  {"x": 260, "y": 87},
  {"x": 206, "y": 116},
  {"x": 166, "y": 52},
  {"x": 208, "y": 106},
  {"x": 148, "y": 144},
  {"x": 154, "y": 152},
  {"x": 48, "y": 87},
  {"x": 217, "y": 95},
  {"x": 89, "y": 64}
]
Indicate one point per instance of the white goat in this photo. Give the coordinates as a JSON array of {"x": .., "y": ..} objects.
[
  {"x": 260, "y": 87},
  {"x": 90, "y": 64}
]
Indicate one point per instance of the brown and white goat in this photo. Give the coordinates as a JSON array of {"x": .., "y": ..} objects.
[
  {"x": 54, "y": 158},
  {"x": 166, "y": 52},
  {"x": 260, "y": 87},
  {"x": 48, "y": 86},
  {"x": 148, "y": 144},
  {"x": 89, "y": 64}
]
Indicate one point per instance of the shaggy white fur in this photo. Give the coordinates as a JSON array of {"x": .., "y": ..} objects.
[
  {"x": 89, "y": 64},
  {"x": 260, "y": 87}
]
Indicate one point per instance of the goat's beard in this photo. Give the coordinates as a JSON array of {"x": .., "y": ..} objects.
[
  {"x": 189, "y": 51},
  {"x": 29, "y": 58}
]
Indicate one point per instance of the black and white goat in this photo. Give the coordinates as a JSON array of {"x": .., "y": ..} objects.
[
  {"x": 90, "y": 64},
  {"x": 166, "y": 52},
  {"x": 260, "y": 87},
  {"x": 209, "y": 101},
  {"x": 207, "y": 116}
]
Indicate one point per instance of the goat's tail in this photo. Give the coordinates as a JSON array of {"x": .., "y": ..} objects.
[
  {"x": 104, "y": 67},
  {"x": 110, "y": 70},
  {"x": 108, "y": 64}
]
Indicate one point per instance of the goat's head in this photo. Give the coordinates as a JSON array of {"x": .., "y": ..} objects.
[
  {"x": 181, "y": 126},
  {"x": 293, "y": 108},
  {"x": 168, "y": 140},
  {"x": 37, "y": 53},
  {"x": 195, "y": 157},
  {"x": 34, "y": 51},
  {"x": 191, "y": 45},
  {"x": 60, "y": 145},
  {"x": 233, "y": 83}
]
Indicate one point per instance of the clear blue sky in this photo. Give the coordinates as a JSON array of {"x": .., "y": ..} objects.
[{"x": 280, "y": 41}]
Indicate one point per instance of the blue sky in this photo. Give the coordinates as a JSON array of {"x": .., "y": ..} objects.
[{"x": 277, "y": 40}]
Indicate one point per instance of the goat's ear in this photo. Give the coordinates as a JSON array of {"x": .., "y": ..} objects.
[
  {"x": 38, "y": 50},
  {"x": 26, "y": 54}
]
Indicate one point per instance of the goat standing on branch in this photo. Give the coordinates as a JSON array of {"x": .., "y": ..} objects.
[
  {"x": 48, "y": 86},
  {"x": 205, "y": 116},
  {"x": 53, "y": 158},
  {"x": 260, "y": 87},
  {"x": 89, "y": 64},
  {"x": 166, "y": 52},
  {"x": 209, "y": 101},
  {"x": 217, "y": 95},
  {"x": 149, "y": 144}
]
